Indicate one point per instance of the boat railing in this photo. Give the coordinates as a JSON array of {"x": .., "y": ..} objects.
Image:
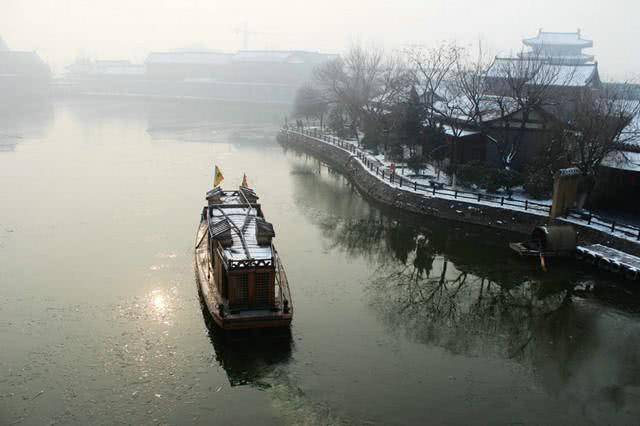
[
  {"x": 221, "y": 257},
  {"x": 282, "y": 282}
]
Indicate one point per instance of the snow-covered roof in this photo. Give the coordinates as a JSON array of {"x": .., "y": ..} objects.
[
  {"x": 281, "y": 56},
  {"x": 262, "y": 56},
  {"x": 448, "y": 130},
  {"x": 630, "y": 136},
  {"x": 457, "y": 106},
  {"x": 622, "y": 160},
  {"x": 578, "y": 75},
  {"x": 119, "y": 67},
  {"x": 241, "y": 216},
  {"x": 545, "y": 38},
  {"x": 563, "y": 59},
  {"x": 204, "y": 57}
]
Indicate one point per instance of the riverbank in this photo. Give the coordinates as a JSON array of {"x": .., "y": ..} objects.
[{"x": 347, "y": 162}]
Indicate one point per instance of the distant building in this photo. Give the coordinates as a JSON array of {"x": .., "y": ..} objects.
[
  {"x": 245, "y": 66},
  {"x": 183, "y": 64},
  {"x": 293, "y": 67},
  {"x": 102, "y": 76},
  {"x": 263, "y": 76},
  {"x": 22, "y": 74},
  {"x": 84, "y": 68},
  {"x": 247, "y": 75}
]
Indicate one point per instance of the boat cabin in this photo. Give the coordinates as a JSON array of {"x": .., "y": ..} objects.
[{"x": 241, "y": 258}]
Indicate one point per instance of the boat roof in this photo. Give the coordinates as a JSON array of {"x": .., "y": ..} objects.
[{"x": 236, "y": 213}]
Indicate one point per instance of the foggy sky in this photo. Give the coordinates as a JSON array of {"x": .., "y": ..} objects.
[{"x": 60, "y": 30}]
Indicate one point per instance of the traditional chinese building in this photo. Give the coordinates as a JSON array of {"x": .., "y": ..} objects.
[
  {"x": 558, "y": 48},
  {"x": 550, "y": 58}
]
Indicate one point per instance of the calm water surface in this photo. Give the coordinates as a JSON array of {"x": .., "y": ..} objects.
[{"x": 398, "y": 320}]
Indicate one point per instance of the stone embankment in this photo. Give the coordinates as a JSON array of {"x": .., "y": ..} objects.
[{"x": 380, "y": 191}]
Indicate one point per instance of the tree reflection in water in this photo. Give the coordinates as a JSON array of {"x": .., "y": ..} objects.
[{"x": 418, "y": 287}]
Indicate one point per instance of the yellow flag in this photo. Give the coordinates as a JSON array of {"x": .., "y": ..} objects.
[
  {"x": 218, "y": 178},
  {"x": 244, "y": 181}
]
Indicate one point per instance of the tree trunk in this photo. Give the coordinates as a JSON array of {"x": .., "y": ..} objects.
[
  {"x": 454, "y": 161},
  {"x": 354, "y": 129}
]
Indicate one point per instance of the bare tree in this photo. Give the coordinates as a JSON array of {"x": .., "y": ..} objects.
[
  {"x": 362, "y": 82},
  {"x": 432, "y": 69},
  {"x": 393, "y": 87},
  {"x": 471, "y": 85},
  {"x": 310, "y": 102},
  {"x": 453, "y": 91}
]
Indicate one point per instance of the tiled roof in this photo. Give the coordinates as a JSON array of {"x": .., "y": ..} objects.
[
  {"x": 564, "y": 75},
  {"x": 554, "y": 38}
]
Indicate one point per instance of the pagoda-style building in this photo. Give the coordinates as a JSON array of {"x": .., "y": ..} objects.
[
  {"x": 559, "y": 54},
  {"x": 558, "y": 48}
]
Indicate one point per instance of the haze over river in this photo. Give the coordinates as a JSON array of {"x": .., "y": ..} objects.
[{"x": 398, "y": 319}]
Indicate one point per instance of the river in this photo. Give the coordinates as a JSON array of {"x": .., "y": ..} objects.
[{"x": 398, "y": 319}]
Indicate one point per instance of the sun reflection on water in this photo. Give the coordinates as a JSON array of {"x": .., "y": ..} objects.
[{"x": 160, "y": 304}]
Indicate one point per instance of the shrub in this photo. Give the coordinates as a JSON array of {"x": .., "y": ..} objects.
[
  {"x": 415, "y": 163},
  {"x": 473, "y": 173},
  {"x": 503, "y": 178},
  {"x": 489, "y": 178},
  {"x": 538, "y": 183},
  {"x": 394, "y": 152}
]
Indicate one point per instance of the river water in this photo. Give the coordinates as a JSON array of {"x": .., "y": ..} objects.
[{"x": 398, "y": 319}]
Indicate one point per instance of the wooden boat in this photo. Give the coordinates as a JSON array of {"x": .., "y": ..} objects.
[{"x": 240, "y": 275}]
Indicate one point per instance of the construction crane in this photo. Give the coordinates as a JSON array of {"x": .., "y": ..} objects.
[{"x": 244, "y": 31}]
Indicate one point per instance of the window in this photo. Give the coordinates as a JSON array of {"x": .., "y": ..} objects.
[
  {"x": 262, "y": 289},
  {"x": 239, "y": 290}
]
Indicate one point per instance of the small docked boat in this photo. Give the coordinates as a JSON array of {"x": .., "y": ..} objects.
[
  {"x": 240, "y": 275},
  {"x": 548, "y": 241}
]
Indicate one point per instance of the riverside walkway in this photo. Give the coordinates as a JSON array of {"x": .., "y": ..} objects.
[{"x": 433, "y": 190}]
